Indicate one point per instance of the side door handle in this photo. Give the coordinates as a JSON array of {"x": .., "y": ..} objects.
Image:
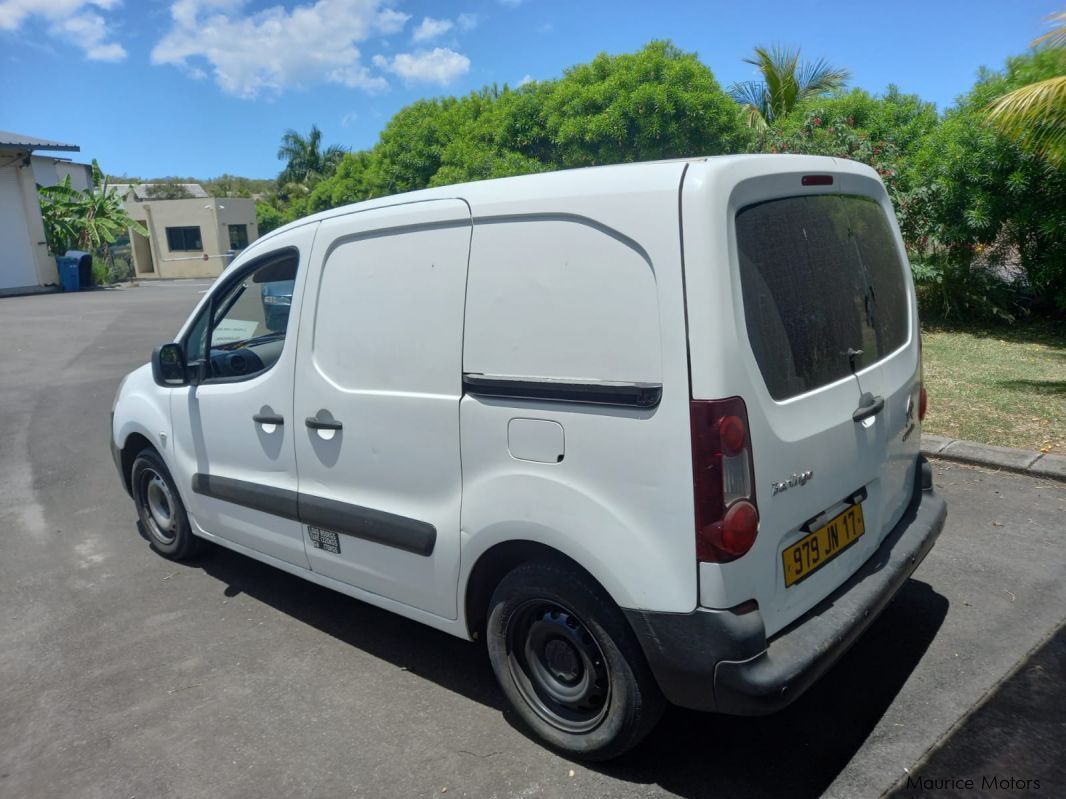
[
  {"x": 322, "y": 424},
  {"x": 871, "y": 406},
  {"x": 268, "y": 418}
]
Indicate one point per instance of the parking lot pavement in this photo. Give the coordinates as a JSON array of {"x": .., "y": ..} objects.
[{"x": 122, "y": 674}]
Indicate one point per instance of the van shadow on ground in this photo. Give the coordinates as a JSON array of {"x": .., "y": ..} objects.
[{"x": 797, "y": 752}]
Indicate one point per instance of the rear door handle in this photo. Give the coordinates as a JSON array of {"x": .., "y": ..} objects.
[
  {"x": 268, "y": 418},
  {"x": 319, "y": 424},
  {"x": 871, "y": 407}
]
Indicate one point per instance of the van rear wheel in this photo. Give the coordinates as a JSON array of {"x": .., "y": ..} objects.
[
  {"x": 160, "y": 509},
  {"x": 568, "y": 662}
]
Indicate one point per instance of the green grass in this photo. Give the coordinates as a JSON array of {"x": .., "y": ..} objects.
[{"x": 1003, "y": 386}]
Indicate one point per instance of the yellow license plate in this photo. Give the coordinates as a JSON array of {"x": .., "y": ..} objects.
[{"x": 815, "y": 550}]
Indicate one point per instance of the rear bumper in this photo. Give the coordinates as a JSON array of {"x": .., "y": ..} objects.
[{"x": 722, "y": 661}]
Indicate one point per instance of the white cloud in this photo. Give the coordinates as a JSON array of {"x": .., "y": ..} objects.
[
  {"x": 431, "y": 29},
  {"x": 439, "y": 65},
  {"x": 267, "y": 51},
  {"x": 526, "y": 79},
  {"x": 467, "y": 22},
  {"x": 76, "y": 21}
]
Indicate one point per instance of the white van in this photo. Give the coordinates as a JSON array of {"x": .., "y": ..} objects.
[{"x": 651, "y": 430}]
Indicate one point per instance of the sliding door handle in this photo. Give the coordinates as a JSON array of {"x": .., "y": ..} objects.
[
  {"x": 268, "y": 418},
  {"x": 322, "y": 424}
]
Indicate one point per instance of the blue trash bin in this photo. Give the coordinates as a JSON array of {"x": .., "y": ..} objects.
[
  {"x": 69, "y": 273},
  {"x": 85, "y": 266}
]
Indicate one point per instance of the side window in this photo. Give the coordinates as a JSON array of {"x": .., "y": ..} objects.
[
  {"x": 238, "y": 237},
  {"x": 184, "y": 239},
  {"x": 242, "y": 333}
]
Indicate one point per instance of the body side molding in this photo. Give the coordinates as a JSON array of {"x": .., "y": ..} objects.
[
  {"x": 631, "y": 395},
  {"x": 389, "y": 529}
]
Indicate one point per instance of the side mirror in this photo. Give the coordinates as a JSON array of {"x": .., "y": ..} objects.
[{"x": 168, "y": 366}]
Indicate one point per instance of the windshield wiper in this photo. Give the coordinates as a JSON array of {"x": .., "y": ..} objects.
[{"x": 236, "y": 345}]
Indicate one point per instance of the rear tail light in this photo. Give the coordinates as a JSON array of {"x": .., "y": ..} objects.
[
  {"x": 923, "y": 397},
  {"x": 723, "y": 480}
]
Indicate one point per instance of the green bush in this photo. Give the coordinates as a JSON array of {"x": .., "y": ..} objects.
[
  {"x": 982, "y": 198},
  {"x": 964, "y": 290}
]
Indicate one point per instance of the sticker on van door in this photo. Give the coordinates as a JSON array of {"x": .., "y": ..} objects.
[{"x": 324, "y": 539}]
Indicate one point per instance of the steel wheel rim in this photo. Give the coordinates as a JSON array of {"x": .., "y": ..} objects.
[
  {"x": 558, "y": 666},
  {"x": 159, "y": 504}
]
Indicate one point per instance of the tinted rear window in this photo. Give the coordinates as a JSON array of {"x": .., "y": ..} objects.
[{"x": 820, "y": 275}]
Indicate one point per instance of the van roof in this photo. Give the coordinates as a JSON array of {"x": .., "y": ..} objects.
[{"x": 639, "y": 176}]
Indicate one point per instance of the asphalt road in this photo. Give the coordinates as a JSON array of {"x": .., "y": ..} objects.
[{"x": 124, "y": 675}]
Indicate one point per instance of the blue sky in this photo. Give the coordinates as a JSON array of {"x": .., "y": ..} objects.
[{"x": 202, "y": 87}]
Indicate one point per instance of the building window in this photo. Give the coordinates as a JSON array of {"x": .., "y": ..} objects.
[
  {"x": 184, "y": 239},
  {"x": 238, "y": 237}
]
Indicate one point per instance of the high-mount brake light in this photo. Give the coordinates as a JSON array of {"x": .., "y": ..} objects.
[
  {"x": 723, "y": 480},
  {"x": 817, "y": 180}
]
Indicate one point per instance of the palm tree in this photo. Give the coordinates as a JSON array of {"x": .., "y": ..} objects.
[
  {"x": 785, "y": 83},
  {"x": 1035, "y": 115},
  {"x": 306, "y": 161},
  {"x": 90, "y": 220}
]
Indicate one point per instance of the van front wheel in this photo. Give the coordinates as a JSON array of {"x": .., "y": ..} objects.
[
  {"x": 160, "y": 509},
  {"x": 568, "y": 662}
]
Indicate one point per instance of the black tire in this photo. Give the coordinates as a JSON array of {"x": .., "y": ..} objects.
[
  {"x": 160, "y": 508},
  {"x": 569, "y": 663}
]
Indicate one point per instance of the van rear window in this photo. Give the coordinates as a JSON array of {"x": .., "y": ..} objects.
[{"x": 820, "y": 275}]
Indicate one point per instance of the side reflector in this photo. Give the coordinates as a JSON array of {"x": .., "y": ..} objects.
[
  {"x": 923, "y": 403},
  {"x": 817, "y": 180}
]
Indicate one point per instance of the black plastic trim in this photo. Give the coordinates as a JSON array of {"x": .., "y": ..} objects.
[
  {"x": 378, "y": 526},
  {"x": 683, "y": 649},
  {"x": 632, "y": 395},
  {"x": 269, "y": 499},
  {"x": 722, "y": 661}
]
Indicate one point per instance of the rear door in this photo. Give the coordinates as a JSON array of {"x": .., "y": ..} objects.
[
  {"x": 824, "y": 354},
  {"x": 378, "y": 384}
]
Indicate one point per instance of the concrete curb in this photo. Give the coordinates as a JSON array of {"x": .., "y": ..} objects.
[{"x": 1022, "y": 461}]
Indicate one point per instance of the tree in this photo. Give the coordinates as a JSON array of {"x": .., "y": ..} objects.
[
  {"x": 1034, "y": 115},
  {"x": 656, "y": 103},
  {"x": 89, "y": 220},
  {"x": 167, "y": 190},
  {"x": 785, "y": 83},
  {"x": 306, "y": 161},
  {"x": 984, "y": 198}
]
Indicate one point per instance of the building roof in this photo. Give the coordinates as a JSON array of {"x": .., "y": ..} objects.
[
  {"x": 140, "y": 190},
  {"x": 21, "y": 142}
]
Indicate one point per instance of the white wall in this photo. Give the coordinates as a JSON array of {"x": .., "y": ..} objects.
[{"x": 50, "y": 171}]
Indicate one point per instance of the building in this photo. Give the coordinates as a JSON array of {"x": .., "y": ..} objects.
[
  {"x": 196, "y": 236},
  {"x": 25, "y": 262},
  {"x": 51, "y": 171}
]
